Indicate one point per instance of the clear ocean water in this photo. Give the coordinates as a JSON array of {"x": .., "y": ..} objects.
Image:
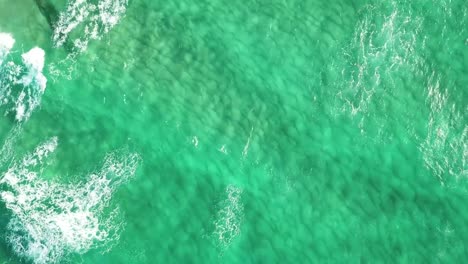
[{"x": 215, "y": 131}]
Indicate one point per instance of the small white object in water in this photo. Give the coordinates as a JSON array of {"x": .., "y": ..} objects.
[
  {"x": 247, "y": 144},
  {"x": 195, "y": 141},
  {"x": 223, "y": 149}
]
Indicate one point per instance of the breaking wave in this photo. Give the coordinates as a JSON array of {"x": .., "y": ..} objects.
[
  {"x": 21, "y": 86},
  {"x": 6, "y": 44},
  {"x": 33, "y": 82},
  {"x": 52, "y": 220},
  {"x": 90, "y": 20}
]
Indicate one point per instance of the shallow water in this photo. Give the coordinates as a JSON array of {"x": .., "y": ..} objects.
[{"x": 224, "y": 132}]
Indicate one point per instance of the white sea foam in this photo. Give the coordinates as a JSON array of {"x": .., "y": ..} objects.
[
  {"x": 382, "y": 45},
  {"x": 8, "y": 76},
  {"x": 7, "y": 150},
  {"x": 34, "y": 84},
  {"x": 445, "y": 148},
  {"x": 91, "y": 21},
  {"x": 229, "y": 217},
  {"x": 52, "y": 220},
  {"x": 28, "y": 78},
  {"x": 6, "y": 44}
]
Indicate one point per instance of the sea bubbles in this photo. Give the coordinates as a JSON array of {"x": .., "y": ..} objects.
[
  {"x": 229, "y": 217},
  {"x": 21, "y": 86},
  {"x": 6, "y": 43},
  {"x": 52, "y": 220},
  {"x": 89, "y": 19}
]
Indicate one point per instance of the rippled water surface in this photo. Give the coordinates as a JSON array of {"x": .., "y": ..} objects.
[{"x": 213, "y": 131}]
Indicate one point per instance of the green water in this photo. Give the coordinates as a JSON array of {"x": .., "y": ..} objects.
[{"x": 261, "y": 132}]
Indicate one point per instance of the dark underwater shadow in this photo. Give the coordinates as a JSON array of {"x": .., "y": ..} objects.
[
  {"x": 49, "y": 11},
  {"x": 51, "y": 14}
]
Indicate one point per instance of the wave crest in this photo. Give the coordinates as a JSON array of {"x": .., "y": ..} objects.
[
  {"x": 21, "y": 85},
  {"x": 93, "y": 19}
]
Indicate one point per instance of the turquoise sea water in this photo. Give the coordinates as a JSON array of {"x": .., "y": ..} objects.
[{"x": 218, "y": 131}]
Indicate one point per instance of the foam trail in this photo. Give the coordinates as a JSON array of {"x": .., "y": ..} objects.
[
  {"x": 52, "y": 220},
  {"x": 91, "y": 20},
  {"x": 245, "y": 151},
  {"x": 229, "y": 217}
]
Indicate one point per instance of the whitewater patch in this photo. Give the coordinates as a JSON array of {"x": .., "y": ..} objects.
[
  {"x": 6, "y": 44},
  {"x": 52, "y": 220},
  {"x": 7, "y": 150},
  {"x": 21, "y": 86},
  {"x": 229, "y": 217},
  {"x": 383, "y": 44},
  {"x": 33, "y": 82},
  {"x": 90, "y": 20},
  {"x": 445, "y": 148}
]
